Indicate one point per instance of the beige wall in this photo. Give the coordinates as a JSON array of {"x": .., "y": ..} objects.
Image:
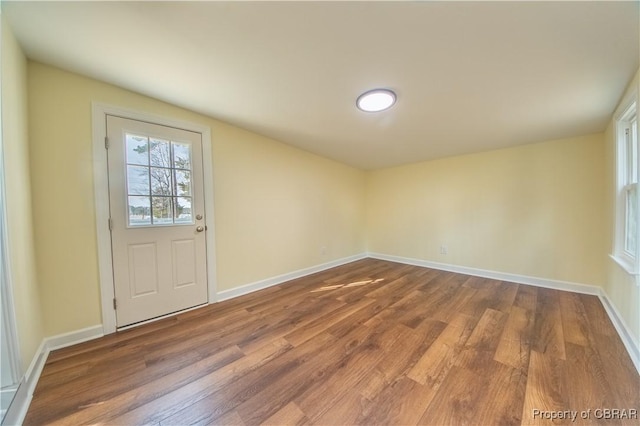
[
  {"x": 275, "y": 206},
  {"x": 18, "y": 196},
  {"x": 619, "y": 285},
  {"x": 533, "y": 210}
]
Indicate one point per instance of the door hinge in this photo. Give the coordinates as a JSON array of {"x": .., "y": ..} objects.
[
  {"x": 106, "y": 142},
  {"x": 110, "y": 224},
  {"x": 115, "y": 304}
]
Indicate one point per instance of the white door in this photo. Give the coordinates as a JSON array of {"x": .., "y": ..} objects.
[{"x": 157, "y": 219}]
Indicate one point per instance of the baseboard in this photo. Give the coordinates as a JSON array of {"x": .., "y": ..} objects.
[
  {"x": 269, "y": 282},
  {"x": 495, "y": 275},
  {"x": 21, "y": 401},
  {"x": 73, "y": 338},
  {"x": 621, "y": 327},
  {"x": 623, "y": 330}
]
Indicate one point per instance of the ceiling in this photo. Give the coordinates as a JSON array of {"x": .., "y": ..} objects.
[{"x": 469, "y": 76}]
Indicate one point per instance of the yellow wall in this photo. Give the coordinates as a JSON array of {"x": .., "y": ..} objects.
[
  {"x": 619, "y": 285},
  {"x": 275, "y": 205},
  {"x": 18, "y": 196},
  {"x": 533, "y": 210}
]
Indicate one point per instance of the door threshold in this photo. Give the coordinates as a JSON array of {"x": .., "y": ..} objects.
[{"x": 161, "y": 317}]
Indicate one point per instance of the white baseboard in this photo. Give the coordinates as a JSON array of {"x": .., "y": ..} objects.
[
  {"x": 495, "y": 275},
  {"x": 269, "y": 282},
  {"x": 21, "y": 401},
  {"x": 73, "y": 338},
  {"x": 623, "y": 330}
]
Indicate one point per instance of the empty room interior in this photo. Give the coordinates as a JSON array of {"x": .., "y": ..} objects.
[{"x": 323, "y": 213}]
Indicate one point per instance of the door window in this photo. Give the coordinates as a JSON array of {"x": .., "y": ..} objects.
[{"x": 158, "y": 181}]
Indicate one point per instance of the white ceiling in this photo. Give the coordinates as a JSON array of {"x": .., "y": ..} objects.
[{"x": 470, "y": 76}]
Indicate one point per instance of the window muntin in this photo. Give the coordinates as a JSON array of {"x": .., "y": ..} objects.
[{"x": 158, "y": 181}]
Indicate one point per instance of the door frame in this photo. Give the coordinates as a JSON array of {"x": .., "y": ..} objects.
[
  {"x": 101, "y": 199},
  {"x": 8, "y": 323}
]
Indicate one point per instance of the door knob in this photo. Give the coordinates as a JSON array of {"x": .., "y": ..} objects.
[{"x": 200, "y": 228}]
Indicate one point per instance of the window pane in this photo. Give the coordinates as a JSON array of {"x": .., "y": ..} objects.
[
  {"x": 161, "y": 181},
  {"x": 630, "y": 157},
  {"x": 137, "y": 150},
  {"x": 183, "y": 210},
  {"x": 160, "y": 154},
  {"x": 633, "y": 152},
  {"x": 181, "y": 156},
  {"x": 631, "y": 227},
  {"x": 158, "y": 181},
  {"x": 139, "y": 211},
  {"x": 162, "y": 210},
  {"x": 183, "y": 182},
  {"x": 138, "y": 180}
]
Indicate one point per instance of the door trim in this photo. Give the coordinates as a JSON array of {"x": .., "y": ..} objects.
[
  {"x": 8, "y": 324},
  {"x": 101, "y": 198}
]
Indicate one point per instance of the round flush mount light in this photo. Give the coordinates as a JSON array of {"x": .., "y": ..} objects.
[{"x": 376, "y": 100}]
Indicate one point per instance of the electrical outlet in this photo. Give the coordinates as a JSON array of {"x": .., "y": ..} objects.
[{"x": 443, "y": 249}]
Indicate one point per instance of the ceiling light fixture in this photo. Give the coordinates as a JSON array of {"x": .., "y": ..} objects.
[{"x": 376, "y": 100}]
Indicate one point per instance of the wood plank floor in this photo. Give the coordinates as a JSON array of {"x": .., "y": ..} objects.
[{"x": 371, "y": 342}]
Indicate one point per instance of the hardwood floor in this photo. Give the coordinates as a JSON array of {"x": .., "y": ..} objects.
[{"x": 371, "y": 342}]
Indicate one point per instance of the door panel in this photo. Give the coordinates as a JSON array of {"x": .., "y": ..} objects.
[
  {"x": 184, "y": 256},
  {"x": 158, "y": 239},
  {"x": 143, "y": 268}
]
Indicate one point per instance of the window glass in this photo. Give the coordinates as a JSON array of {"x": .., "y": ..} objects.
[
  {"x": 158, "y": 181},
  {"x": 631, "y": 234},
  {"x": 627, "y": 211}
]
